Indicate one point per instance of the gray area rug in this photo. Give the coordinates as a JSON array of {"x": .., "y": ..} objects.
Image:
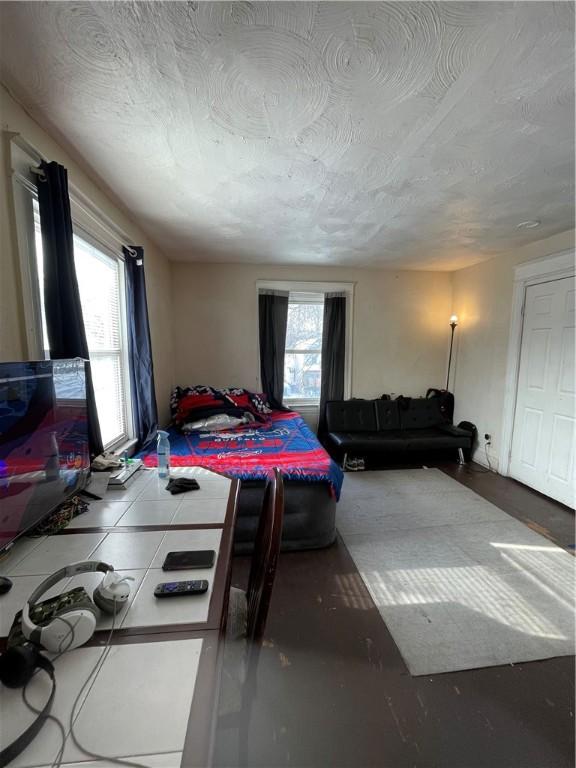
[{"x": 459, "y": 583}]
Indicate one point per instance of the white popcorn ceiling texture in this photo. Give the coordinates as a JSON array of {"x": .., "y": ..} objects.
[{"x": 412, "y": 135}]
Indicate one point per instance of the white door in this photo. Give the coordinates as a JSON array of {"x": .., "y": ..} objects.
[{"x": 543, "y": 439}]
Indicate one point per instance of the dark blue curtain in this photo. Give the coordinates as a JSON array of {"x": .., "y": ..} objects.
[
  {"x": 144, "y": 406},
  {"x": 333, "y": 354},
  {"x": 273, "y": 321},
  {"x": 63, "y": 310}
]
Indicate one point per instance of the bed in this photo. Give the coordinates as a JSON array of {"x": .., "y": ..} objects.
[{"x": 312, "y": 479}]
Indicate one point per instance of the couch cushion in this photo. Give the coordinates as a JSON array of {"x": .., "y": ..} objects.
[
  {"x": 351, "y": 416},
  {"x": 399, "y": 440},
  {"x": 369, "y": 441},
  {"x": 425, "y": 439},
  {"x": 421, "y": 413},
  {"x": 387, "y": 415}
]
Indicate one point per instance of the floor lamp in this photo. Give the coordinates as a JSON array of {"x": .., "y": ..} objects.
[{"x": 453, "y": 324}]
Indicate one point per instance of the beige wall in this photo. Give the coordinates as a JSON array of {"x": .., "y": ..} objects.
[
  {"x": 482, "y": 297},
  {"x": 400, "y": 325},
  {"x": 12, "y": 327}
]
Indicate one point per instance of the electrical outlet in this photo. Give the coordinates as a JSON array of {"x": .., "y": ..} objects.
[{"x": 488, "y": 438}]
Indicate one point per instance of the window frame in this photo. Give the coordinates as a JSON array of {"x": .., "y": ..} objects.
[
  {"x": 23, "y": 158},
  {"x": 313, "y": 287},
  {"x": 90, "y": 225}
]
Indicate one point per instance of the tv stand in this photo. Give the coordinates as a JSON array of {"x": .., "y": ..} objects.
[{"x": 89, "y": 495}]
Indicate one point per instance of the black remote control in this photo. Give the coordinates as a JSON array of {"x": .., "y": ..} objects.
[{"x": 179, "y": 588}]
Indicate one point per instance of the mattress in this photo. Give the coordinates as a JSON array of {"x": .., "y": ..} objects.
[
  {"x": 309, "y": 516},
  {"x": 285, "y": 441}
]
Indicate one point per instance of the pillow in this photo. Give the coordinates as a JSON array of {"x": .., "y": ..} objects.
[
  {"x": 195, "y": 402},
  {"x": 216, "y": 423},
  {"x": 179, "y": 392},
  {"x": 190, "y": 404},
  {"x": 243, "y": 398},
  {"x": 186, "y": 400}
]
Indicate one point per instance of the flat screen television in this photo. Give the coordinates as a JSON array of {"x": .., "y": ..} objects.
[{"x": 44, "y": 455}]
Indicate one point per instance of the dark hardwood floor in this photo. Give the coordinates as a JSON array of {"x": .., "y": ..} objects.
[
  {"x": 333, "y": 689},
  {"x": 543, "y": 515}
]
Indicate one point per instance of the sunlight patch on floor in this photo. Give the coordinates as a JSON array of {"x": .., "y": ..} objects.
[{"x": 477, "y": 588}]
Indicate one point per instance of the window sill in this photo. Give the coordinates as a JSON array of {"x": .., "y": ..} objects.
[
  {"x": 302, "y": 404},
  {"x": 126, "y": 447}
]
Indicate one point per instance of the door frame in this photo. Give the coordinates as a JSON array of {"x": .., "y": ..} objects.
[{"x": 556, "y": 266}]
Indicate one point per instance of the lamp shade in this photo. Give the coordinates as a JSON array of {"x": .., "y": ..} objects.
[{"x": 454, "y": 320}]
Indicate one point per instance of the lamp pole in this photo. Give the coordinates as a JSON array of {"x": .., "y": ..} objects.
[{"x": 453, "y": 324}]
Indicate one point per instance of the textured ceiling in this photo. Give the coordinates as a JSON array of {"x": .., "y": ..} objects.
[{"x": 374, "y": 134}]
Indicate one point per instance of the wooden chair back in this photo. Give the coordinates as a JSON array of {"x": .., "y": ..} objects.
[{"x": 265, "y": 557}]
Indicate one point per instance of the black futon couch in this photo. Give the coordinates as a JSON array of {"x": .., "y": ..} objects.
[{"x": 363, "y": 428}]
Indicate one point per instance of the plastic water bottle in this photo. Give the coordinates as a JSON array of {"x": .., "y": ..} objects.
[{"x": 163, "y": 451}]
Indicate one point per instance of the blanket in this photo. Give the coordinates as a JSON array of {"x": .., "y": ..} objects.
[{"x": 284, "y": 441}]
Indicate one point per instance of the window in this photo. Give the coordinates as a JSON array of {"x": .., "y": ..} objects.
[
  {"x": 100, "y": 283},
  {"x": 303, "y": 357},
  {"x": 303, "y": 351},
  {"x": 100, "y": 274}
]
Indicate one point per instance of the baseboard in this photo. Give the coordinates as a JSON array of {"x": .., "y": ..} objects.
[{"x": 479, "y": 456}]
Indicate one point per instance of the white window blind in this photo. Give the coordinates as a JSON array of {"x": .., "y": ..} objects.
[
  {"x": 303, "y": 357},
  {"x": 100, "y": 283}
]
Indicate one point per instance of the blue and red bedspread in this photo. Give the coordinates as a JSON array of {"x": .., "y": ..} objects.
[{"x": 285, "y": 441}]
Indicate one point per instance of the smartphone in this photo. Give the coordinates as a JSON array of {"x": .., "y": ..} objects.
[{"x": 182, "y": 561}]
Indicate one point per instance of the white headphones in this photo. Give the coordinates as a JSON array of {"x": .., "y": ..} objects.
[{"x": 80, "y": 617}]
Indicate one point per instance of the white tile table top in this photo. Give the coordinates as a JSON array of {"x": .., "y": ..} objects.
[
  {"x": 138, "y": 704},
  {"x": 18, "y": 552},
  {"x": 197, "y": 511},
  {"x": 146, "y": 482},
  {"x": 147, "y": 502},
  {"x": 156, "y": 681},
  {"x": 160, "y": 512},
  {"x": 101, "y": 513},
  {"x": 72, "y": 669},
  {"x": 175, "y": 541},
  {"x": 155, "y": 489},
  {"x": 133, "y": 489},
  {"x": 130, "y": 549},
  {"x": 139, "y": 554},
  {"x": 150, "y": 611},
  {"x": 52, "y": 553},
  {"x": 143, "y": 715}
]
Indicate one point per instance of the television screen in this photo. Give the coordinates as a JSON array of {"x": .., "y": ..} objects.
[{"x": 44, "y": 455}]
